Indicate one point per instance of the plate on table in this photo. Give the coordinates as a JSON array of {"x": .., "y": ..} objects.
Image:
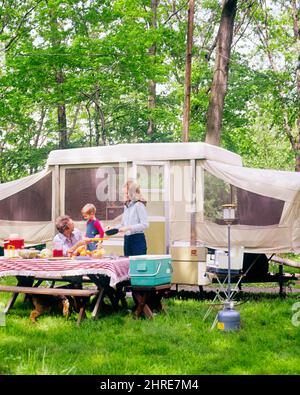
[
  {"x": 56, "y": 258},
  {"x": 83, "y": 258}
]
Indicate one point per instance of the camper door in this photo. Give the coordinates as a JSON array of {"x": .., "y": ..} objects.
[{"x": 153, "y": 178}]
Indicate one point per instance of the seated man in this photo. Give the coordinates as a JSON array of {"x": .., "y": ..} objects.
[{"x": 70, "y": 237}]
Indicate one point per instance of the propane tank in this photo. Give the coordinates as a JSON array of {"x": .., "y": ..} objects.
[{"x": 228, "y": 318}]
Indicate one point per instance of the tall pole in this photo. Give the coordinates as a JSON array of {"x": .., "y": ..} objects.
[
  {"x": 229, "y": 266},
  {"x": 228, "y": 318},
  {"x": 188, "y": 72}
]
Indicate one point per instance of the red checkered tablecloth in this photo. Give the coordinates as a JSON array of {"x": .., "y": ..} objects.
[{"x": 116, "y": 268}]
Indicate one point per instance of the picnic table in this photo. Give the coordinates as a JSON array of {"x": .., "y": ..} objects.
[{"x": 109, "y": 274}]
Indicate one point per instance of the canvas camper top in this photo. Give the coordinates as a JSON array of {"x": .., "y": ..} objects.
[
  {"x": 143, "y": 152},
  {"x": 268, "y": 201}
]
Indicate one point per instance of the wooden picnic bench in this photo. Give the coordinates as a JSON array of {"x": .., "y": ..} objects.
[{"x": 77, "y": 293}]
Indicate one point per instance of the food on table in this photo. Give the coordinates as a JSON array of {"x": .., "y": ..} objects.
[
  {"x": 79, "y": 250},
  {"x": 99, "y": 252},
  {"x": 83, "y": 252},
  {"x": 45, "y": 253},
  {"x": 28, "y": 253}
]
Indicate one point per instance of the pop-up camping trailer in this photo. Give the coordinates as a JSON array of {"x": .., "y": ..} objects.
[{"x": 185, "y": 185}]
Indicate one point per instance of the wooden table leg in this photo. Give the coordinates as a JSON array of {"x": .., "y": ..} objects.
[
  {"x": 147, "y": 311},
  {"x": 148, "y": 300},
  {"x": 22, "y": 282},
  {"x": 121, "y": 294},
  {"x": 110, "y": 292},
  {"x": 102, "y": 282},
  {"x": 98, "y": 304},
  {"x": 139, "y": 304},
  {"x": 10, "y": 302},
  {"x": 157, "y": 301},
  {"x": 82, "y": 315},
  {"x": 38, "y": 283},
  {"x": 142, "y": 305}
]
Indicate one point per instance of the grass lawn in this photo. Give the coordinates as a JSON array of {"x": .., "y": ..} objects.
[{"x": 176, "y": 343}]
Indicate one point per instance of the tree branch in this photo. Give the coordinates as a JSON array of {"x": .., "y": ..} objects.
[
  {"x": 288, "y": 130},
  {"x": 23, "y": 19},
  {"x": 175, "y": 12}
]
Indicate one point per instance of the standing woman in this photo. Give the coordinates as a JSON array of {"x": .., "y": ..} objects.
[{"x": 134, "y": 220}]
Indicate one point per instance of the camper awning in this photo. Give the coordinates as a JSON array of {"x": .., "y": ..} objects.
[
  {"x": 11, "y": 188},
  {"x": 283, "y": 185}
]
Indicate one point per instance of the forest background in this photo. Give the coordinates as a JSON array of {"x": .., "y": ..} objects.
[{"x": 100, "y": 72}]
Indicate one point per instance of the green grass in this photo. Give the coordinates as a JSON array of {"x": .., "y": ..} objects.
[{"x": 177, "y": 343}]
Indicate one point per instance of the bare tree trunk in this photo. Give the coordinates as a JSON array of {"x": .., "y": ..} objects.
[
  {"x": 99, "y": 118},
  {"x": 96, "y": 116},
  {"x": 297, "y": 167},
  {"x": 59, "y": 79},
  {"x": 151, "y": 83},
  {"x": 293, "y": 137},
  {"x": 75, "y": 119},
  {"x": 297, "y": 147},
  {"x": 97, "y": 126},
  {"x": 151, "y": 106},
  {"x": 220, "y": 79},
  {"x": 103, "y": 126},
  {"x": 188, "y": 73},
  {"x": 295, "y": 142},
  {"x": 40, "y": 128},
  {"x": 90, "y": 125},
  {"x": 61, "y": 115},
  {"x": 296, "y": 11}
]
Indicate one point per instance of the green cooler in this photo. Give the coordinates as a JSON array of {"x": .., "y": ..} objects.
[{"x": 150, "y": 270}]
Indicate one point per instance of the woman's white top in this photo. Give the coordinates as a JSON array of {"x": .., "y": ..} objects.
[{"x": 135, "y": 215}]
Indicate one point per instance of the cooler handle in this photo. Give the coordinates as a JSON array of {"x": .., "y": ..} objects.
[{"x": 147, "y": 274}]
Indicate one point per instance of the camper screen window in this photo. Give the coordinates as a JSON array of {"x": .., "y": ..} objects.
[
  {"x": 31, "y": 204},
  {"x": 252, "y": 209},
  {"x": 101, "y": 186},
  {"x": 216, "y": 193},
  {"x": 258, "y": 210}
]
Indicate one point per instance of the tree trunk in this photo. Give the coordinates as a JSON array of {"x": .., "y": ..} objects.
[
  {"x": 294, "y": 137},
  {"x": 151, "y": 83},
  {"x": 75, "y": 119},
  {"x": 40, "y": 127},
  {"x": 97, "y": 126},
  {"x": 61, "y": 114},
  {"x": 295, "y": 11},
  {"x": 90, "y": 125},
  {"x": 151, "y": 106},
  {"x": 59, "y": 79},
  {"x": 220, "y": 79},
  {"x": 297, "y": 166},
  {"x": 297, "y": 40},
  {"x": 99, "y": 120},
  {"x": 188, "y": 73}
]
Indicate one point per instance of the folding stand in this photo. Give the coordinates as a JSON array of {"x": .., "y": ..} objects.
[{"x": 222, "y": 281}]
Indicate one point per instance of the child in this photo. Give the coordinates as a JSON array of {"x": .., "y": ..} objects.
[{"x": 93, "y": 225}]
